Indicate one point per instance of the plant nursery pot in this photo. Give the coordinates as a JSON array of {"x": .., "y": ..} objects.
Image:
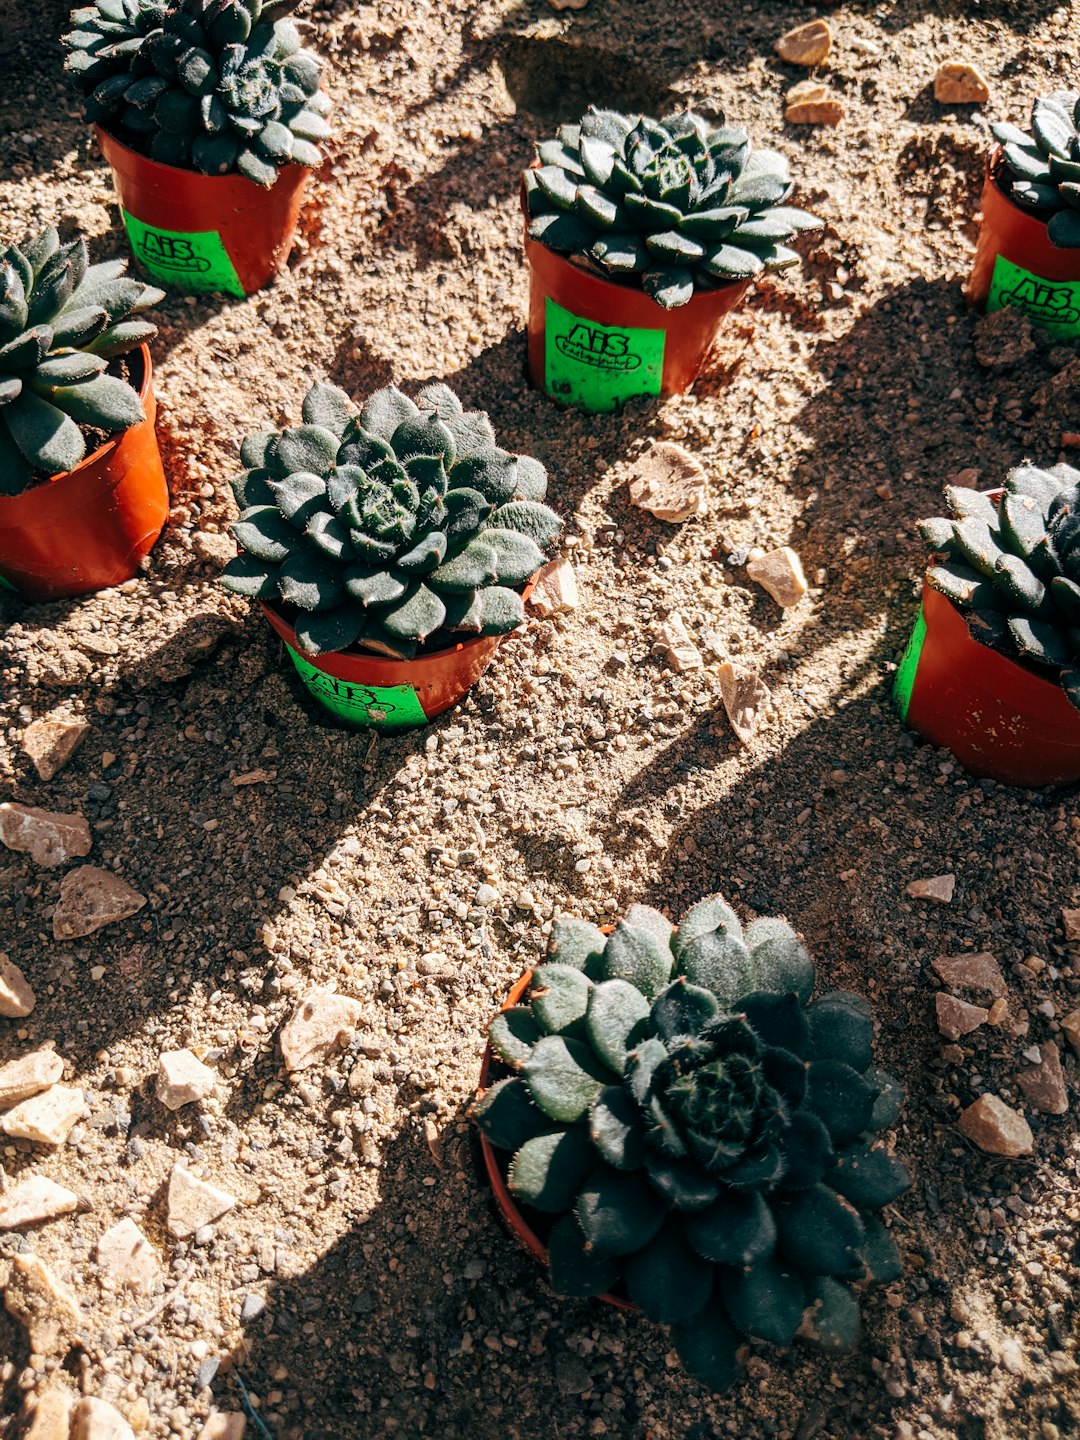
[
  {"x": 88, "y": 528},
  {"x": 594, "y": 344},
  {"x": 999, "y": 719},
  {"x": 1017, "y": 266},
  {"x": 195, "y": 233},
  {"x": 507, "y": 1205},
  {"x": 382, "y": 694}
]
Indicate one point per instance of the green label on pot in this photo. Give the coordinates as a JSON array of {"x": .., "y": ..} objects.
[
  {"x": 191, "y": 261},
  {"x": 1053, "y": 304},
  {"x": 5, "y": 584},
  {"x": 905, "y": 676},
  {"x": 596, "y": 366},
  {"x": 383, "y": 707}
]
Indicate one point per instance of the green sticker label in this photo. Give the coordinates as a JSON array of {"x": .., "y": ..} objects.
[
  {"x": 597, "y": 367},
  {"x": 382, "y": 707},
  {"x": 5, "y": 584},
  {"x": 194, "y": 261},
  {"x": 905, "y": 676},
  {"x": 1053, "y": 304}
]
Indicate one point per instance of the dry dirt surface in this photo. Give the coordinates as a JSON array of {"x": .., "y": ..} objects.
[{"x": 361, "y": 1285}]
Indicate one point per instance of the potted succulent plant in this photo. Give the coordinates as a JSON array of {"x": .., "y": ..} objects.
[
  {"x": 390, "y": 547},
  {"x": 992, "y": 670},
  {"x": 641, "y": 235},
  {"x": 209, "y": 113},
  {"x": 82, "y": 490},
  {"x": 1028, "y": 254},
  {"x": 670, "y": 1121}
]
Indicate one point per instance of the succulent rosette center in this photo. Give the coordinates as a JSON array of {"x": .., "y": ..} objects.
[{"x": 717, "y": 1107}]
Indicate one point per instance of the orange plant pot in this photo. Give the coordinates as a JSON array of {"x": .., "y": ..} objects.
[
  {"x": 594, "y": 344},
  {"x": 382, "y": 694},
  {"x": 88, "y": 528},
  {"x": 1017, "y": 266},
  {"x": 197, "y": 233},
  {"x": 507, "y": 1206}
]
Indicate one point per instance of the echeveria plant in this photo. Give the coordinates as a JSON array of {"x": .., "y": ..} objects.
[
  {"x": 61, "y": 322},
  {"x": 1042, "y": 169},
  {"x": 400, "y": 526},
  {"x": 673, "y": 205},
  {"x": 1013, "y": 568},
  {"x": 698, "y": 1131}
]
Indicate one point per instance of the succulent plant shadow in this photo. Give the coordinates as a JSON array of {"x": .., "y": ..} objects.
[{"x": 32, "y": 64}]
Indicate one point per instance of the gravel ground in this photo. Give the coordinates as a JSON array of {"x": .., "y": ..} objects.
[{"x": 361, "y": 1286}]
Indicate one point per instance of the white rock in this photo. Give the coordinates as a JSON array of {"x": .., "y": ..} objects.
[
  {"x": 995, "y": 1128},
  {"x": 50, "y": 743},
  {"x": 90, "y": 898},
  {"x": 29, "y": 1074},
  {"x": 938, "y": 887},
  {"x": 780, "y": 572},
  {"x": 744, "y": 697},
  {"x": 224, "y": 1425},
  {"x": 126, "y": 1258},
  {"x": 183, "y": 1078},
  {"x": 95, "y": 1419},
  {"x": 49, "y": 838},
  {"x": 44, "y": 1306},
  {"x": 16, "y": 997},
  {"x": 213, "y": 548},
  {"x": 555, "y": 591},
  {"x": 682, "y": 653},
  {"x": 668, "y": 482},
  {"x": 192, "y": 1203},
  {"x": 50, "y": 1418},
  {"x": 34, "y": 1200},
  {"x": 46, "y": 1119},
  {"x": 321, "y": 1024}
]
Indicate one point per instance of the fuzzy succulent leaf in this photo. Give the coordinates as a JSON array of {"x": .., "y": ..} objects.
[
  {"x": 708, "y": 1346},
  {"x": 766, "y": 1301},
  {"x": 709, "y": 950},
  {"x": 736, "y": 1229},
  {"x": 564, "y": 1077},
  {"x": 577, "y": 943},
  {"x": 512, "y": 1034},
  {"x": 869, "y": 1176},
  {"x": 640, "y": 955},
  {"x": 615, "y": 1128},
  {"x": 616, "y": 1021},
  {"x": 779, "y": 961},
  {"x": 559, "y": 997},
  {"x": 841, "y": 1028},
  {"x": 574, "y": 1266},
  {"x": 666, "y": 1280},
  {"x": 549, "y": 1170},
  {"x": 507, "y": 1116},
  {"x": 618, "y": 1212}
]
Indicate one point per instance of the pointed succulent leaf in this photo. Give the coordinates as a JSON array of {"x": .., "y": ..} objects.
[
  {"x": 641, "y": 1065},
  {"x": 681, "y": 1011},
  {"x": 574, "y": 1267},
  {"x": 820, "y": 1232},
  {"x": 328, "y": 407},
  {"x": 879, "y": 1253},
  {"x": 962, "y": 585},
  {"x": 1040, "y": 641},
  {"x": 777, "y": 1018},
  {"x": 512, "y": 1034},
  {"x": 548, "y": 1171},
  {"x": 766, "y": 1301},
  {"x": 469, "y": 569},
  {"x": 247, "y": 575},
  {"x": 424, "y": 434},
  {"x": 526, "y": 517},
  {"x": 779, "y": 961},
  {"x": 736, "y": 1229},
  {"x": 491, "y": 472},
  {"x": 385, "y": 411},
  {"x": 304, "y": 447},
  {"x": 516, "y": 555},
  {"x": 299, "y": 496},
  {"x": 506, "y": 1115},
  {"x": 832, "y": 1320},
  {"x": 563, "y": 1077},
  {"x": 69, "y": 369},
  {"x": 321, "y": 632},
  {"x": 869, "y": 1177},
  {"x": 889, "y": 1100},
  {"x": 264, "y": 532},
  {"x": 531, "y": 480},
  {"x": 501, "y": 610},
  {"x": 559, "y": 996},
  {"x": 618, "y": 1212},
  {"x": 310, "y": 580},
  {"x": 708, "y": 1347},
  {"x": 47, "y": 436},
  {"x": 669, "y": 285},
  {"x": 329, "y": 535},
  {"x": 638, "y": 955},
  {"x": 105, "y": 402},
  {"x": 615, "y": 1128},
  {"x": 418, "y": 614},
  {"x": 1023, "y": 524},
  {"x": 425, "y": 555},
  {"x": 466, "y": 510},
  {"x": 255, "y": 450},
  {"x": 373, "y": 586},
  {"x": 808, "y": 1152},
  {"x": 709, "y": 951},
  {"x": 682, "y": 1182}
]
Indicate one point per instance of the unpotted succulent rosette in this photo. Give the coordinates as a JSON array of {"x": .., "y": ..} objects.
[
  {"x": 672, "y": 1122},
  {"x": 640, "y": 236},
  {"x": 992, "y": 670},
  {"x": 210, "y": 114},
  {"x": 390, "y": 547},
  {"x": 1028, "y": 252},
  {"x": 82, "y": 490}
]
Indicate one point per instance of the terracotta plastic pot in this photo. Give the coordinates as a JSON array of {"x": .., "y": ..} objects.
[
  {"x": 1018, "y": 267},
  {"x": 88, "y": 528},
  {"x": 383, "y": 694},
  {"x": 594, "y": 344},
  {"x": 197, "y": 233},
  {"x": 506, "y": 1203},
  {"x": 999, "y": 719}
]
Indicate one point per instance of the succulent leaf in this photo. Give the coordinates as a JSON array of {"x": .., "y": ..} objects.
[
  {"x": 564, "y": 1077},
  {"x": 548, "y": 1171},
  {"x": 577, "y": 943},
  {"x": 575, "y": 1268},
  {"x": 559, "y": 996},
  {"x": 708, "y": 1347},
  {"x": 666, "y": 1279},
  {"x": 766, "y": 1301},
  {"x": 506, "y": 1115}
]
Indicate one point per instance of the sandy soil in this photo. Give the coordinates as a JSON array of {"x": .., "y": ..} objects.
[{"x": 580, "y": 776}]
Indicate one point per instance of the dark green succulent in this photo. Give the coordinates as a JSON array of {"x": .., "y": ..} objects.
[
  {"x": 61, "y": 322},
  {"x": 1013, "y": 568},
  {"x": 1042, "y": 170},
  {"x": 672, "y": 205},
  {"x": 699, "y": 1132},
  {"x": 401, "y": 526},
  {"x": 210, "y": 85}
]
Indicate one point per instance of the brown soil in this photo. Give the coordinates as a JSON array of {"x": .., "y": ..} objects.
[{"x": 837, "y": 404}]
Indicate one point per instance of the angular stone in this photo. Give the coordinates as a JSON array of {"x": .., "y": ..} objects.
[
  {"x": 321, "y": 1024},
  {"x": 34, "y": 1200},
  {"x": 126, "y": 1258},
  {"x": 996, "y": 1128},
  {"x": 27, "y": 1075},
  {"x": 91, "y": 898},
  {"x": 780, "y": 572},
  {"x": 978, "y": 974},
  {"x": 16, "y": 997},
  {"x": 937, "y": 887},
  {"x": 94, "y": 1419},
  {"x": 682, "y": 654},
  {"x": 46, "y": 1119},
  {"x": 811, "y": 103},
  {"x": 192, "y": 1203},
  {"x": 1044, "y": 1084},
  {"x": 224, "y": 1424},
  {"x": 183, "y": 1078},
  {"x": 1071, "y": 1028},
  {"x": 669, "y": 483},
  {"x": 49, "y": 743},
  {"x": 49, "y": 838},
  {"x": 1070, "y": 921},
  {"x": 50, "y": 1418},
  {"x": 555, "y": 591},
  {"x": 44, "y": 1305},
  {"x": 956, "y": 1017},
  {"x": 568, "y": 4},
  {"x": 744, "y": 697},
  {"x": 807, "y": 44},
  {"x": 957, "y": 83},
  {"x": 213, "y": 549}
]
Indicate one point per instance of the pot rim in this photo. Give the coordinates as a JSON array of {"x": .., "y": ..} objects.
[
  {"x": 995, "y": 160},
  {"x": 114, "y": 139}
]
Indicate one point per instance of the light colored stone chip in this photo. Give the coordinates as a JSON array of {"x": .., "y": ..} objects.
[
  {"x": 744, "y": 697},
  {"x": 321, "y": 1024},
  {"x": 1044, "y": 1084},
  {"x": 555, "y": 591},
  {"x": 182, "y": 1078},
  {"x": 669, "y": 483},
  {"x": 126, "y": 1258},
  {"x": 91, "y": 898},
  {"x": 939, "y": 888},
  {"x": 46, "y": 1119},
  {"x": 49, "y": 743},
  {"x": 29, "y": 1074},
  {"x": 682, "y": 654},
  {"x": 807, "y": 44},
  {"x": 49, "y": 838},
  {"x": 996, "y": 1128},
  {"x": 50, "y": 1418},
  {"x": 956, "y": 1017},
  {"x": 192, "y": 1203},
  {"x": 958, "y": 83},
  {"x": 811, "y": 103},
  {"x": 95, "y": 1419},
  {"x": 34, "y": 1200},
  {"x": 16, "y": 997},
  {"x": 978, "y": 974},
  {"x": 780, "y": 572},
  {"x": 46, "y": 1308}
]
